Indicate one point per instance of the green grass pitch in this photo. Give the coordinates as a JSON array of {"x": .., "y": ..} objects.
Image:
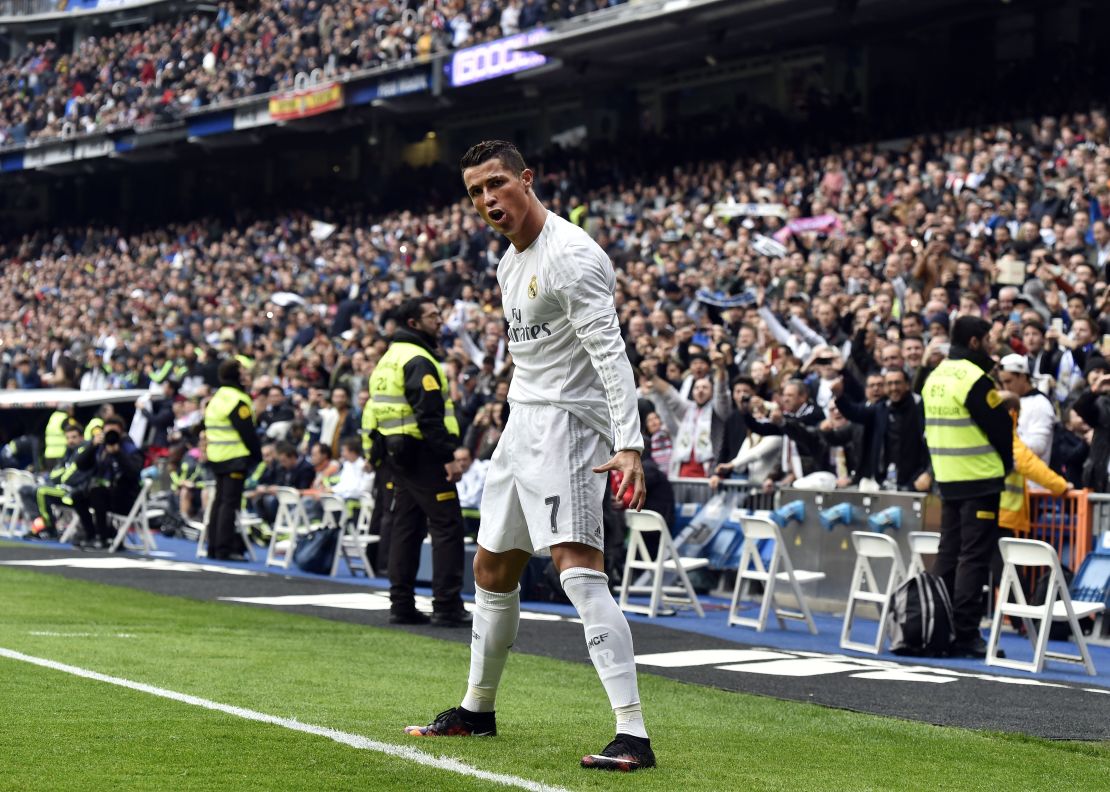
[{"x": 59, "y": 731}]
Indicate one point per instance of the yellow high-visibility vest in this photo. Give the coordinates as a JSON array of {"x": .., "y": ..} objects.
[
  {"x": 388, "y": 410},
  {"x": 95, "y": 425},
  {"x": 54, "y": 442},
  {"x": 224, "y": 442},
  {"x": 959, "y": 448}
]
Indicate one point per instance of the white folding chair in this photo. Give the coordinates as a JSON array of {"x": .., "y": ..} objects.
[
  {"x": 11, "y": 506},
  {"x": 335, "y": 516},
  {"x": 289, "y": 522},
  {"x": 68, "y": 517},
  {"x": 356, "y": 538},
  {"x": 753, "y": 570},
  {"x": 208, "y": 496},
  {"x": 136, "y": 520},
  {"x": 922, "y": 543},
  {"x": 666, "y": 559},
  {"x": 866, "y": 587},
  {"x": 243, "y": 521},
  {"x": 1058, "y": 606}
]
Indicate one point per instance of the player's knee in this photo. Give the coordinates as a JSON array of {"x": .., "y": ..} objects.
[
  {"x": 571, "y": 555},
  {"x": 493, "y": 572}
]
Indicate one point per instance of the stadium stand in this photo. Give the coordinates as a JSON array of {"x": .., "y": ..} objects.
[
  {"x": 156, "y": 73},
  {"x": 801, "y": 262}
]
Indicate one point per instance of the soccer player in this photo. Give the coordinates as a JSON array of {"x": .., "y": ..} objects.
[{"x": 572, "y": 399}]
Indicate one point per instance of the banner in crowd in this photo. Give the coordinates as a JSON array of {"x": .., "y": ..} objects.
[
  {"x": 824, "y": 224},
  {"x": 307, "y": 102},
  {"x": 765, "y": 246},
  {"x": 730, "y": 210},
  {"x": 496, "y": 59}
]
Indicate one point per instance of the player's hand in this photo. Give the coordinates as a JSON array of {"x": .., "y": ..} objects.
[
  {"x": 632, "y": 475},
  {"x": 454, "y": 472},
  {"x": 836, "y": 387}
]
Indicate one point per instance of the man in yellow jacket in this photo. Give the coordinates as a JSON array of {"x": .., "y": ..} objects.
[{"x": 1013, "y": 512}]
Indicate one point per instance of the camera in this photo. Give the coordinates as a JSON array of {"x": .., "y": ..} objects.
[
  {"x": 111, "y": 437},
  {"x": 823, "y": 361}
]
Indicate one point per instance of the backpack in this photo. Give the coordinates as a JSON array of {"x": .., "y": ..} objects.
[
  {"x": 316, "y": 551},
  {"x": 921, "y": 617}
]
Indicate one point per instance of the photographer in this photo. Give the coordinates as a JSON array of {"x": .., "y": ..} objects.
[{"x": 114, "y": 463}]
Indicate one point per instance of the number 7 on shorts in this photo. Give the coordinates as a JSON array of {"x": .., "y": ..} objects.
[{"x": 553, "y": 502}]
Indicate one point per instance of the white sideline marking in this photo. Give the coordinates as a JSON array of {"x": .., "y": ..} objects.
[
  {"x": 369, "y": 601},
  {"x": 49, "y": 634},
  {"x": 700, "y": 657},
  {"x": 344, "y": 738},
  {"x": 156, "y": 565}
]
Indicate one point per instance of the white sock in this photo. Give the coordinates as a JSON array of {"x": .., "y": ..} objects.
[
  {"x": 496, "y": 618},
  {"x": 609, "y": 642}
]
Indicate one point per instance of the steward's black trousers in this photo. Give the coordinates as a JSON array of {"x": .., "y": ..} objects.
[
  {"x": 415, "y": 507},
  {"x": 968, "y": 541}
]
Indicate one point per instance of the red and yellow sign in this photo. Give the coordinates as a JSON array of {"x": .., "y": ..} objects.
[{"x": 306, "y": 103}]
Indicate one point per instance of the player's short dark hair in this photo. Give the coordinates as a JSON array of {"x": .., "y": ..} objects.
[
  {"x": 352, "y": 444},
  {"x": 113, "y": 420},
  {"x": 72, "y": 426},
  {"x": 412, "y": 308},
  {"x": 493, "y": 149},
  {"x": 323, "y": 448}
]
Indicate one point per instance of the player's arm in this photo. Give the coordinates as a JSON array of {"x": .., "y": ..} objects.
[{"x": 585, "y": 292}]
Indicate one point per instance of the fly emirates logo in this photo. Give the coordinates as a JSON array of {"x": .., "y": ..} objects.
[{"x": 519, "y": 330}]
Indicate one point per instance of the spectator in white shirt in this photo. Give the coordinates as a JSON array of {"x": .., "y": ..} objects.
[
  {"x": 470, "y": 486},
  {"x": 510, "y": 18},
  {"x": 354, "y": 476},
  {"x": 1038, "y": 417}
]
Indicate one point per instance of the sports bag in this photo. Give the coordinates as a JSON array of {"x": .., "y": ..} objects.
[
  {"x": 921, "y": 617},
  {"x": 316, "y": 550}
]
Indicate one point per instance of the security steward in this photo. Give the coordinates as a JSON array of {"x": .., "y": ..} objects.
[
  {"x": 54, "y": 440},
  {"x": 970, "y": 437},
  {"x": 233, "y": 451},
  {"x": 412, "y": 434}
]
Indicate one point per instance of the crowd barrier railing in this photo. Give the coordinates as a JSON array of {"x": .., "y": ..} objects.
[{"x": 1063, "y": 521}]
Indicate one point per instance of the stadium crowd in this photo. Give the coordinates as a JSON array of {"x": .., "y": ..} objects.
[
  {"x": 781, "y": 312},
  {"x": 139, "y": 77}
]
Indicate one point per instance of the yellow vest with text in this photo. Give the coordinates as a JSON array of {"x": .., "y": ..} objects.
[
  {"x": 54, "y": 445},
  {"x": 224, "y": 442},
  {"x": 388, "y": 410},
  {"x": 959, "y": 448}
]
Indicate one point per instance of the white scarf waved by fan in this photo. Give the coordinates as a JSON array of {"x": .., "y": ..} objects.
[{"x": 694, "y": 436}]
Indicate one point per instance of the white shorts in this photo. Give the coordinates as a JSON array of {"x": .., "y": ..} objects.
[{"x": 540, "y": 486}]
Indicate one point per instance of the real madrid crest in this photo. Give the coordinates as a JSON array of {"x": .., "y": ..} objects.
[{"x": 533, "y": 288}]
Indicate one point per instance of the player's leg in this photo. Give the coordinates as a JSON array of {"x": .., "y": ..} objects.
[
  {"x": 503, "y": 552},
  {"x": 563, "y": 500},
  {"x": 609, "y": 642}
]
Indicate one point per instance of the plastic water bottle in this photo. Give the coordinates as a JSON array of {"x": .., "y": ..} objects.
[{"x": 891, "y": 481}]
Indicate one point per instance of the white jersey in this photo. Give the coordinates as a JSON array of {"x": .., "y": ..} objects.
[{"x": 563, "y": 332}]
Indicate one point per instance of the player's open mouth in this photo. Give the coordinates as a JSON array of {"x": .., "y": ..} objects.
[{"x": 496, "y": 215}]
